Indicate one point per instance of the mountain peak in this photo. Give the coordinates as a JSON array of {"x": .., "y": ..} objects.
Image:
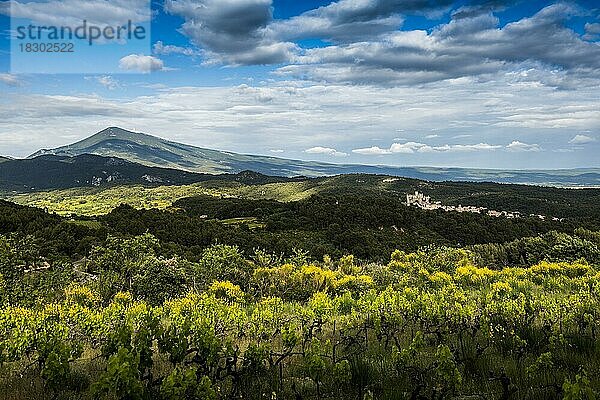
[
  {"x": 149, "y": 150},
  {"x": 115, "y": 131},
  {"x": 156, "y": 152}
]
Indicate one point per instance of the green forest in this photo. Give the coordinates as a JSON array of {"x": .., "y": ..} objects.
[{"x": 329, "y": 288}]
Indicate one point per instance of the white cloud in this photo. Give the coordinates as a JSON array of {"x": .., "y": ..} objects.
[
  {"x": 471, "y": 147},
  {"x": 232, "y": 32},
  {"x": 10, "y": 80},
  {"x": 73, "y": 12},
  {"x": 325, "y": 150},
  {"x": 582, "y": 139},
  {"x": 592, "y": 31},
  {"x": 141, "y": 63},
  {"x": 473, "y": 46},
  {"x": 367, "y": 47},
  {"x": 250, "y": 119},
  {"x": 518, "y": 147},
  {"x": 107, "y": 81},
  {"x": 414, "y": 147},
  {"x": 278, "y": 151},
  {"x": 408, "y": 147},
  {"x": 369, "y": 151},
  {"x": 160, "y": 48},
  {"x": 339, "y": 21},
  {"x": 593, "y": 28}
]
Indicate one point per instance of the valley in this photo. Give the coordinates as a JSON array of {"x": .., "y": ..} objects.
[{"x": 333, "y": 286}]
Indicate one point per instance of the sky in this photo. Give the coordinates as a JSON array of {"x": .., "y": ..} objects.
[{"x": 481, "y": 84}]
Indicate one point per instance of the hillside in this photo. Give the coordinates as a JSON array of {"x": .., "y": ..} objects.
[
  {"x": 60, "y": 172},
  {"x": 578, "y": 204},
  {"x": 156, "y": 152},
  {"x": 153, "y": 151}
]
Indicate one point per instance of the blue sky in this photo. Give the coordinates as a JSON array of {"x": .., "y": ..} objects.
[{"x": 489, "y": 84}]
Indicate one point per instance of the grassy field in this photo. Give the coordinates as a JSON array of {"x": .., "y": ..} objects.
[
  {"x": 100, "y": 201},
  {"x": 93, "y": 202},
  {"x": 560, "y": 203}
]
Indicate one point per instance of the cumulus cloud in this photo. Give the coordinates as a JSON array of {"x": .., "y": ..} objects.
[
  {"x": 459, "y": 148},
  {"x": 408, "y": 147},
  {"x": 244, "y": 31},
  {"x": 107, "y": 81},
  {"x": 72, "y": 12},
  {"x": 314, "y": 25},
  {"x": 370, "y": 151},
  {"x": 415, "y": 147},
  {"x": 348, "y": 11},
  {"x": 471, "y": 46},
  {"x": 250, "y": 119},
  {"x": 141, "y": 63},
  {"x": 10, "y": 80},
  {"x": 325, "y": 150},
  {"x": 345, "y": 20},
  {"x": 519, "y": 147},
  {"x": 482, "y": 7},
  {"x": 592, "y": 31},
  {"x": 593, "y": 28},
  {"x": 160, "y": 48},
  {"x": 367, "y": 47},
  {"x": 582, "y": 139},
  {"x": 356, "y": 21},
  {"x": 232, "y": 31},
  {"x": 34, "y": 106}
]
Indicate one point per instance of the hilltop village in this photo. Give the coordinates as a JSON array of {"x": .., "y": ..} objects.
[{"x": 424, "y": 202}]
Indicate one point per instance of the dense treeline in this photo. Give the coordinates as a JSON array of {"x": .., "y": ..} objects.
[
  {"x": 368, "y": 226},
  {"x": 61, "y": 238},
  {"x": 553, "y": 246},
  {"x": 578, "y": 205},
  {"x": 28, "y": 220}
]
